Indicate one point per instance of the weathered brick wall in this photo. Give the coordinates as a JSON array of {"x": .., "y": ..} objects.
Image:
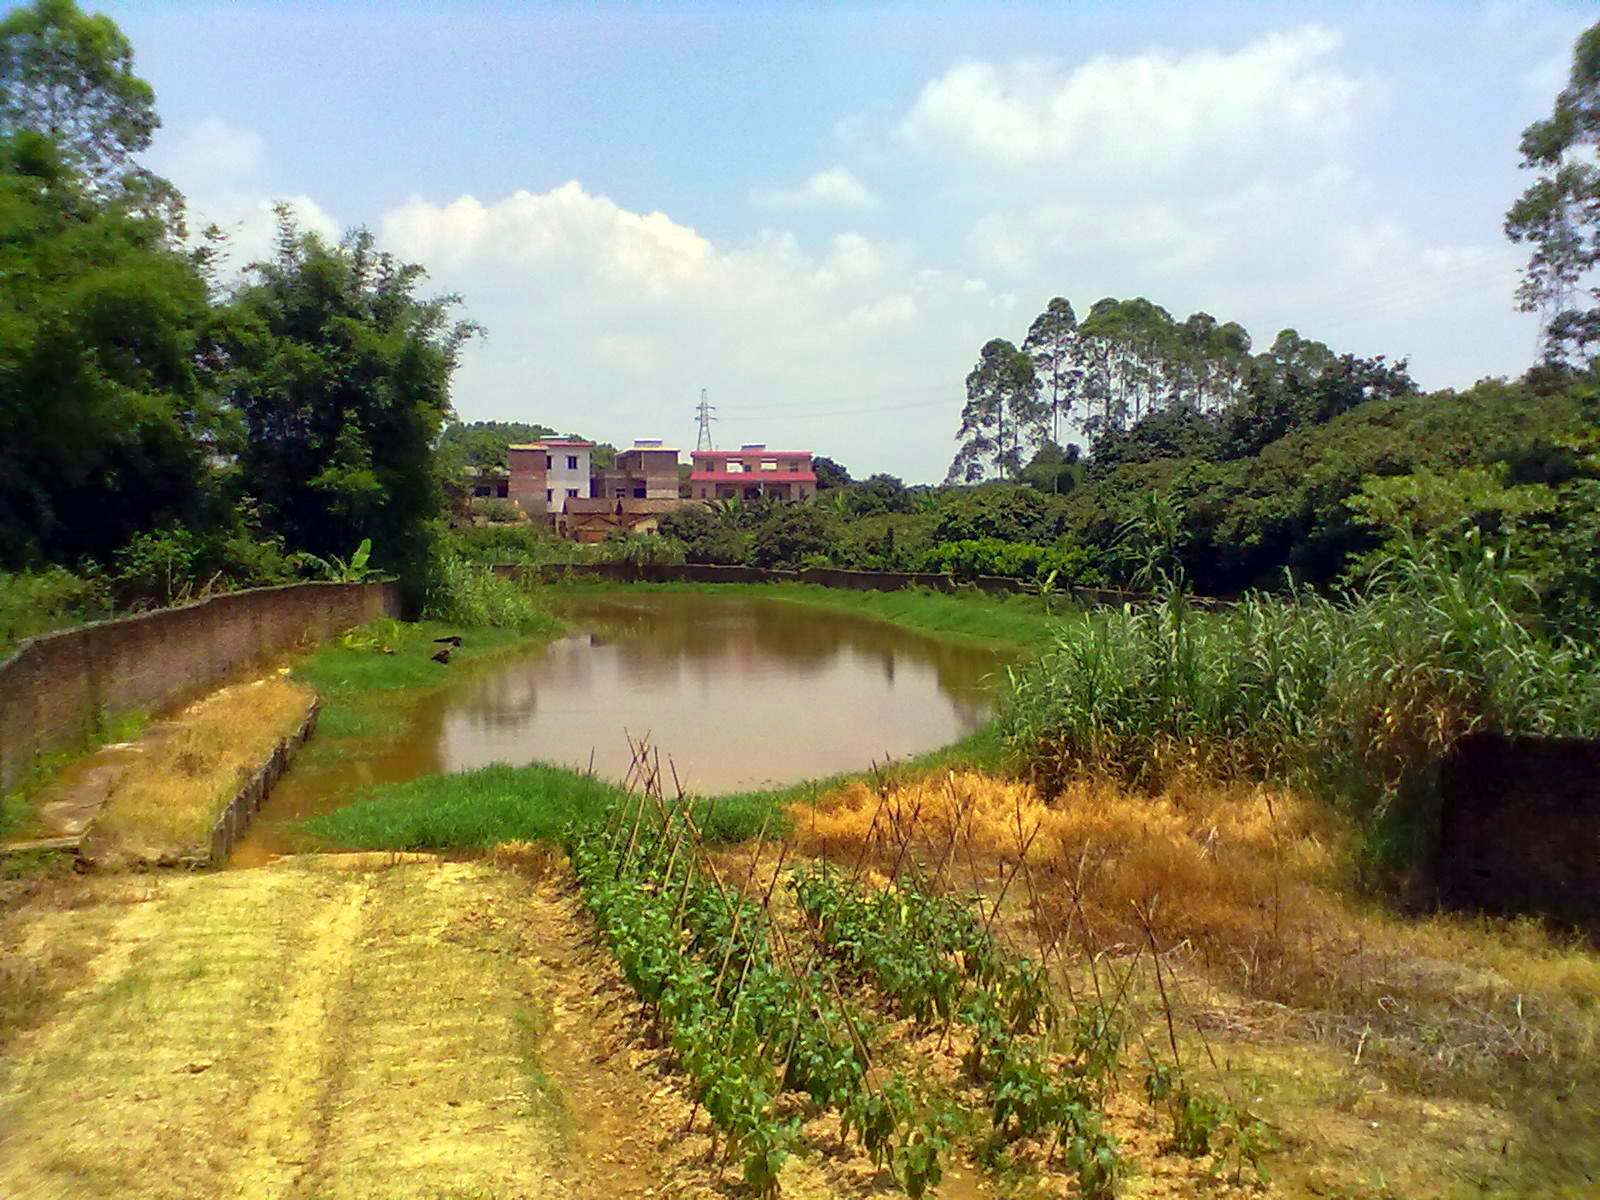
[
  {"x": 1519, "y": 826},
  {"x": 57, "y": 686}
]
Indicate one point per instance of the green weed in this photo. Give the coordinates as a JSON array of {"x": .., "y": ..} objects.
[
  {"x": 471, "y": 810},
  {"x": 469, "y": 594}
]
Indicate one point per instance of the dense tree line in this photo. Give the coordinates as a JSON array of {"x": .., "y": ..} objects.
[{"x": 1130, "y": 367}]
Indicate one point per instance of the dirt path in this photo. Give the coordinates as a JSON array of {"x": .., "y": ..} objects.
[{"x": 328, "y": 1028}]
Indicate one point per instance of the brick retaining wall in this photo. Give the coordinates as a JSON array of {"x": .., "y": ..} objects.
[
  {"x": 241, "y": 811},
  {"x": 57, "y": 686},
  {"x": 1519, "y": 827}
]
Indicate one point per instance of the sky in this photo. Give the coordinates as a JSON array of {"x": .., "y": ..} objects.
[{"x": 819, "y": 213}]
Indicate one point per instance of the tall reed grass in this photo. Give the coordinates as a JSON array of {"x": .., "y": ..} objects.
[
  {"x": 470, "y": 594},
  {"x": 1358, "y": 697}
]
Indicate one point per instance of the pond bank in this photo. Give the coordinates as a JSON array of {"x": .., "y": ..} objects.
[{"x": 830, "y": 631}]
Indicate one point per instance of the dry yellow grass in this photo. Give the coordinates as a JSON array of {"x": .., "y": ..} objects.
[
  {"x": 1246, "y": 884},
  {"x": 1397, "y": 1052},
  {"x": 169, "y": 798},
  {"x": 1098, "y": 853}
]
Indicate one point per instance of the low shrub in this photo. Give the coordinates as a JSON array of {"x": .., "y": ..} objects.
[
  {"x": 972, "y": 557},
  {"x": 34, "y": 602},
  {"x": 470, "y": 594}
]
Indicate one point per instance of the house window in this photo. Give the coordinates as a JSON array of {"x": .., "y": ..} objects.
[
  {"x": 735, "y": 467},
  {"x": 794, "y": 466},
  {"x": 548, "y": 462},
  {"x": 638, "y": 493},
  {"x": 572, "y": 462},
  {"x": 503, "y": 489},
  {"x": 769, "y": 464},
  {"x": 549, "y": 495},
  {"x": 621, "y": 492},
  {"x": 572, "y": 493},
  {"x": 702, "y": 493},
  {"x": 752, "y": 493}
]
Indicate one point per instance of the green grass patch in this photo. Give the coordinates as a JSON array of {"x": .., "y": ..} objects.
[
  {"x": 1021, "y": 621},
  {"x": 473, "y": 810}
]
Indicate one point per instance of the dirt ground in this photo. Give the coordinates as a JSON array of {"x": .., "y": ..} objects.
[
  {"x": 330, "y": 1027},
  {"x": 349, "y": 1027}
]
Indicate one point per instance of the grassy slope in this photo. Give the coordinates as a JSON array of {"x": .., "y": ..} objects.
[
  {"x": 474, "y": 809},
  {"x": 172, "y": 793}
]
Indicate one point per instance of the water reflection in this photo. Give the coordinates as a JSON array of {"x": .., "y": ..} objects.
[{"x": 741, "y": 692}]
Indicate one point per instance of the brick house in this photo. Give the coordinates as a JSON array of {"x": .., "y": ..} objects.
[
  {"x": 750, "y": 473},
  {"x": 596, "y": 519},
  {"x": 647, "y": 470},
  {"x": 545, "y": 475}
]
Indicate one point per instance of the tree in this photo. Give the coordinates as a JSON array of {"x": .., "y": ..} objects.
[
  {"x": 877, "y": 494},
  {"x": 107, "y": 405},
  {"x": 342, "y": 376},
  {"x": 482, "y": 444},
  {"x": 69, "y": 76},
  {"x": 1011, "y": 514},
  {"x": 1002, "y": 408},
  {"x": 1052, "y": 343},
  {"x": 706, "y": 536},
  {"x": 1053, "y": 468},
  {"x": 791, "y": 535},
  {"x": 829, "y": 473},
  {"x": 1299, "y": 383},
  {"x": 1559, "y": 214}
]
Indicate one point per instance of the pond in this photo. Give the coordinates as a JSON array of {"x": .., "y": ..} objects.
[{"x": 738, "y": 692}]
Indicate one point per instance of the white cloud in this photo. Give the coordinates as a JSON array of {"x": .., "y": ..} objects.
[
  {"x": 610, "y": 321},
  {"x": 1155, "y": 112},
  {"x": 834, "y": 188},
  {"x": 215, "y": 165},
  {"x": 1156, "y": 236}
]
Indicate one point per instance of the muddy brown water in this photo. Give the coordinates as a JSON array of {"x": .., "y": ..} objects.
[{"x": 739, "y": 692}]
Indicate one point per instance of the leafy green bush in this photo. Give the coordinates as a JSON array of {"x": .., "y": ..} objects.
[
  {"x": 1017, "y": 560},
  {"x": 1004, "y": 511},
  {"x": 641, "y": 549},
  {"x": 507, "y": 544},
  {"x": 790, "y": 535},
  {"x": 470, "y": 594},
  {"x": 495, "y": 510},
  {"x": 707, "y": 535},
  {"x": 34, "y": 602}
]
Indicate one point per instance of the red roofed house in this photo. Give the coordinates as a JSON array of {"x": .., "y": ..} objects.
[{"x": 751, "y": 472}]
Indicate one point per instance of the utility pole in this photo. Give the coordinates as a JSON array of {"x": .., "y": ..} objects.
[{"x": 703, "y": 411}]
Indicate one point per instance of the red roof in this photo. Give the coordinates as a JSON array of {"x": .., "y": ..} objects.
[
  {"x": 750, "y": 453},
  {"x": 752, "y": 476}
]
